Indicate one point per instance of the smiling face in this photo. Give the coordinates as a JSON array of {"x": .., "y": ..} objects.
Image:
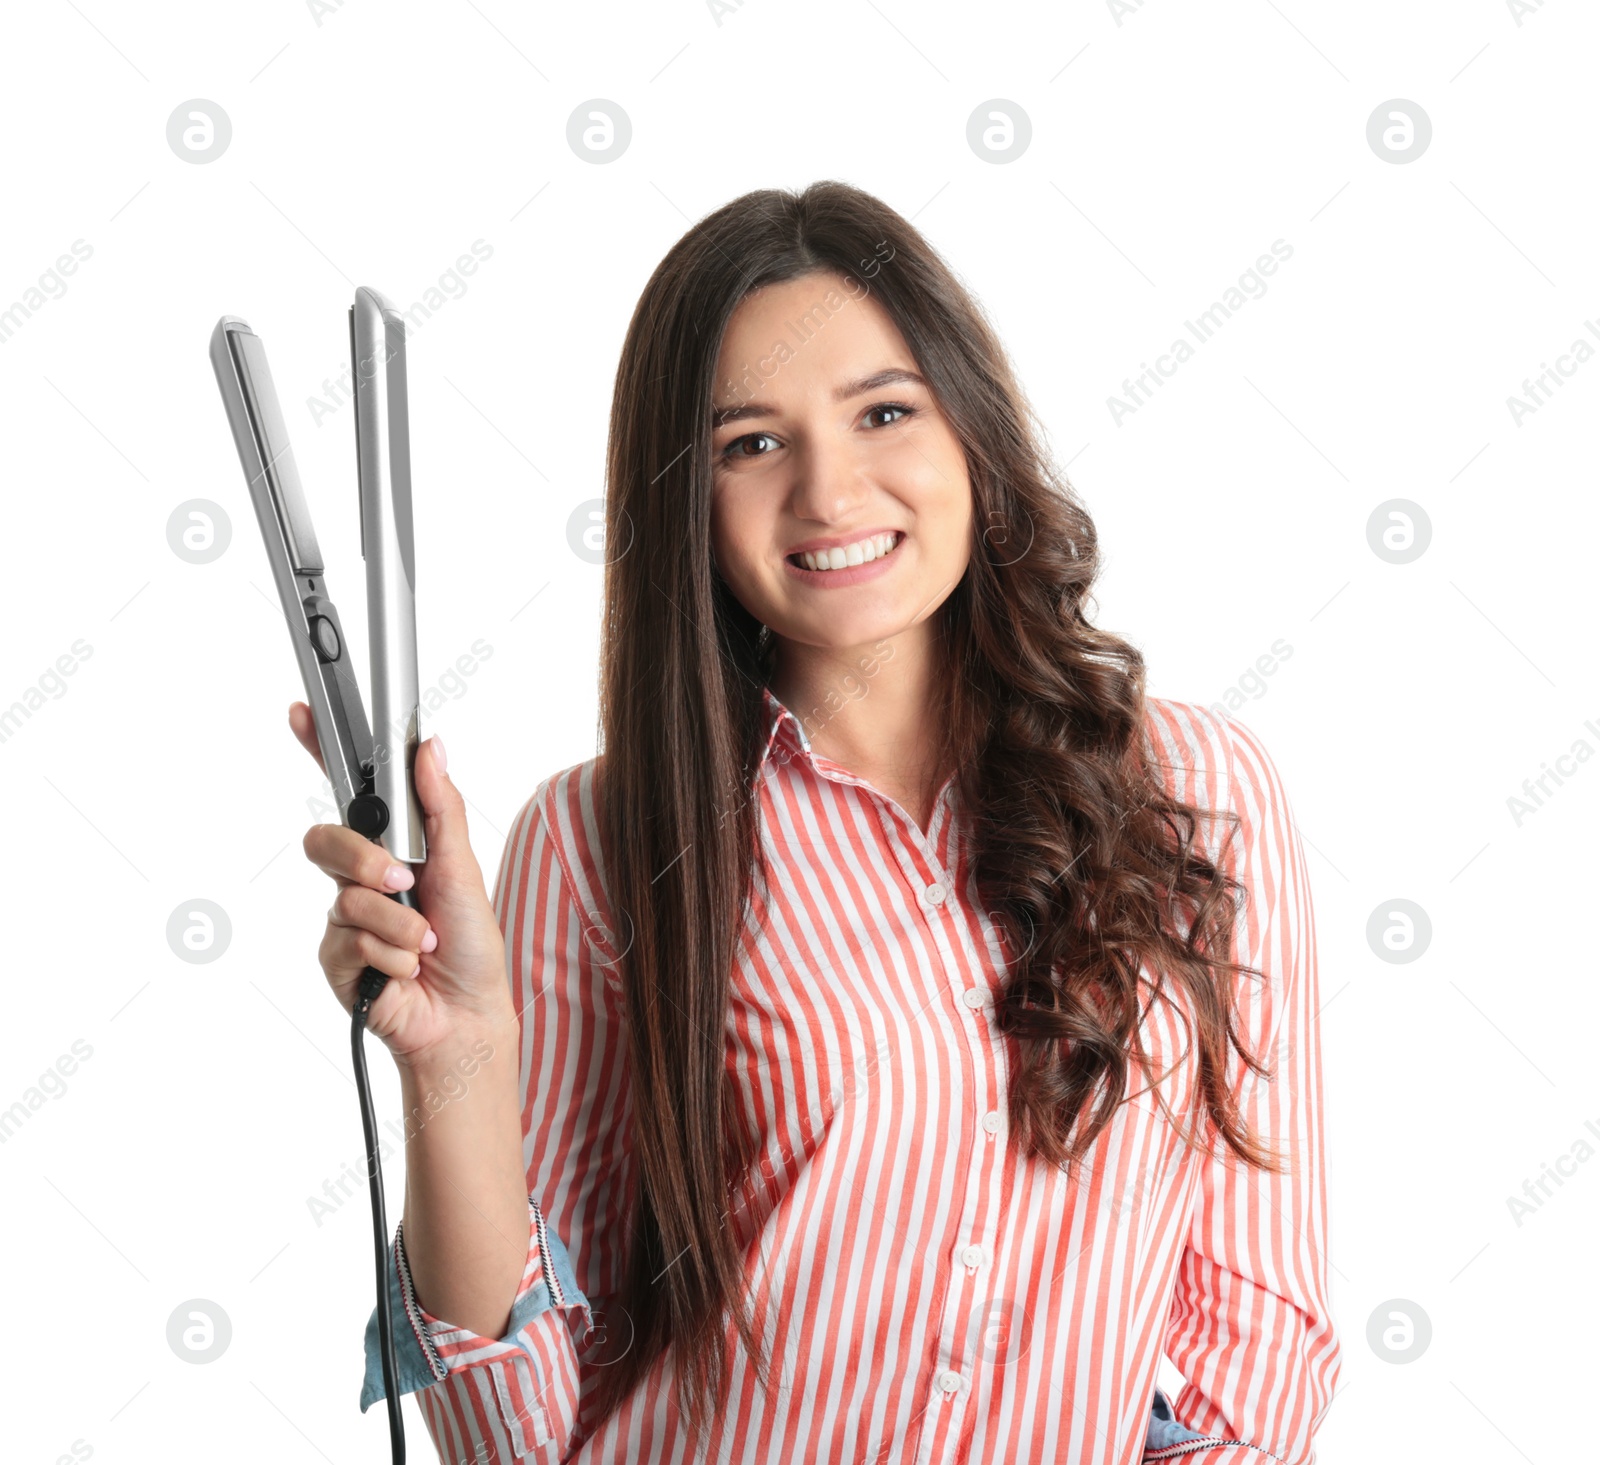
[{"x": 841, "y": 509}]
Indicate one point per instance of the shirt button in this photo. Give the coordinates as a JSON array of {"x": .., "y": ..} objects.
[
  {"x": 935, "y": 894},
  {"x": 992, "y": 1121},
  {"x": 972, "y": 1256},
  {"x": 973, "y": 997},
  {"x": 949, "y": 1381}
]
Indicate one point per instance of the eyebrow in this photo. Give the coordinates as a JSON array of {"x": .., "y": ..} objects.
[{"x": 887, "y": 377}]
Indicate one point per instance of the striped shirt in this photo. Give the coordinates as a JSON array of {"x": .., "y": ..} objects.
[{"x": 927, "y": 1292}]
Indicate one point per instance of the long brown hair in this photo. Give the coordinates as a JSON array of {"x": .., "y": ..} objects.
[{"x": 1080, "y": 856}]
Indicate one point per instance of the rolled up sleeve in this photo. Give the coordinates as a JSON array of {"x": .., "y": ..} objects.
[{"x": 516, "y": 1395}]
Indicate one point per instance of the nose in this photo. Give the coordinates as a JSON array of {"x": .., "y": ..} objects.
[{"x": 831, "y": 483}]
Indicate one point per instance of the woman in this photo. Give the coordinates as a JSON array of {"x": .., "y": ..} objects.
[{"x": 906, "y": 1030}]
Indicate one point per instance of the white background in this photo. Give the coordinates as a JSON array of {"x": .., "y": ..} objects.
[{"x": 1168, "y": 151}]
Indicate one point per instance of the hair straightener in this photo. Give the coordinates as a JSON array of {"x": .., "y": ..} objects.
[{"x": 371, "y": 771}]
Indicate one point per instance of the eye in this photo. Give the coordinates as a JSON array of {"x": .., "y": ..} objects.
[
  {"x": 735, "y": 449},
  {"x": 903, "y": 408}
]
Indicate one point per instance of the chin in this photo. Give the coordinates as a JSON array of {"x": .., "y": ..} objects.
[{"x": 845, "y": 631}]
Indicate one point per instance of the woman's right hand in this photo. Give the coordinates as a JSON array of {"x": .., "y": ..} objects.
[{"x": 446, "y": 961}]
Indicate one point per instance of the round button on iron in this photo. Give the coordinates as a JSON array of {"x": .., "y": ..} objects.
[
  {"x": 368, "y": 815},
  {"x": 325, "y": 638}
]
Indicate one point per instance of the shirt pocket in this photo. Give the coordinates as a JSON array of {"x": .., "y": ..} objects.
[{"x": 524, "y": 1417}]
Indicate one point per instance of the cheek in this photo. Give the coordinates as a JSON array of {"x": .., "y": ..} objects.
[
  {"x": 736, "y": 537},
  {"x": 934, "y": 481},
  {"x": 928, "y": 462},
  {"x": 957, "y": 542}
]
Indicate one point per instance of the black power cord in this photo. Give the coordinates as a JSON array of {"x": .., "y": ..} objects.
[{"x": 372, "y": 985}]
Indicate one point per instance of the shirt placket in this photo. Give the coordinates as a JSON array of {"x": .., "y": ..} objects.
[{"x": 969, "y": 1251}]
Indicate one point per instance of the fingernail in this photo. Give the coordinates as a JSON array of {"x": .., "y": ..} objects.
[
  {"x": 418, "y": 971},
  {"x": 430, "y": 941},
  {"x": 438, "y": 752},
  {"x": 398, "y": 877}
]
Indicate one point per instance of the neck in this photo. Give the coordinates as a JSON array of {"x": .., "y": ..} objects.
[{"x": 873, "y": 709}]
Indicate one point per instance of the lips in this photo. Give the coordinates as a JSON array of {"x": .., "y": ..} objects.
[
  {"x": 801, "y": 577},
  {"x": 831, "y": 556}
]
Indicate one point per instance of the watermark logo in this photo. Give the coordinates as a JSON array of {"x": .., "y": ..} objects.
[
  {"x": 1001, "y": 1330},
  {"x": 1399, "y": 1331},
  {"x": 1399, "y": 131},
  {"x": 999, "y": 131},
  {"x": 199, "y": 1331},
  {"x": 199, "y": 531},
  {"x": 199, "y": 131},
  {"x": 599, "y": 131},
  {"x": 610, "y": 1336},
  {"x": 199, "y": 931},
  {"x": 1399, "y": 931},
  {"x": 586, "y": 533},
  {"x": 1399, "y": 531}
]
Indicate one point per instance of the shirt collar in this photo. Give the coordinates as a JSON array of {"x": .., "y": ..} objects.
[
  {"x": 787, "y": 740},
  {"x": 783, "y": 732}
]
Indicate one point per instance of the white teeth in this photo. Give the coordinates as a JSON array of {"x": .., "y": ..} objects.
[{"x": 859, "y": 553}]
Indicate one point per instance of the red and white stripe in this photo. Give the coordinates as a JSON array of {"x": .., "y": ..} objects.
[{"x": 927, "y": 1293}]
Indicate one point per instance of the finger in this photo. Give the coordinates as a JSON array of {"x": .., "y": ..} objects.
[
  {"x": 347, "y": 951},
  {"x": 358, "y": 907},
  {"x": 305, "y": 729},
  {"x": 443, "y": 807},
  {"x": 346, "y": 855}
]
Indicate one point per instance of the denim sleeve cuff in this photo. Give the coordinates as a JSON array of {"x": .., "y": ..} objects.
[
  {"x": 429, "y": 1350},
  {"x": 1168, "y": 1439}
]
